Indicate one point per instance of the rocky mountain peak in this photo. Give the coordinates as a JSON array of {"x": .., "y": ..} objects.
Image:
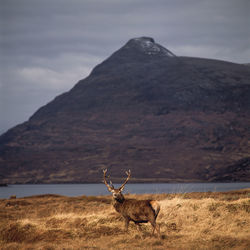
[
  {"x": 147, "y": 46},
  {"x": 141, "y": 49}
]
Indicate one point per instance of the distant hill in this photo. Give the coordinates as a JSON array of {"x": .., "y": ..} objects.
[{"x": 165, "y": 117}]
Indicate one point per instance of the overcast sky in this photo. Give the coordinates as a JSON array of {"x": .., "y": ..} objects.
[{"x": 46, "y": 46}]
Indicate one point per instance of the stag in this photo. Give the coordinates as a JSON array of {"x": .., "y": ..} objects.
[{"x": 138, "y": 211}]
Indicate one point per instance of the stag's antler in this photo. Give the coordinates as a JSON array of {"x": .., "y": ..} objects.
[
  {"x": 123, "y": 185},
  {"x": 110, "y": 188}
]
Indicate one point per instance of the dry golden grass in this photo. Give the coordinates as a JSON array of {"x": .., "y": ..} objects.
[{"x": 187, "y": 221}]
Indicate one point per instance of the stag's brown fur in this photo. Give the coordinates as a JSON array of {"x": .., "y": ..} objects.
[{"x": 138, "y": 211}]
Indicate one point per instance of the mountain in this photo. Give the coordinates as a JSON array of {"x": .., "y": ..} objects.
[{"x": 165, "y": 117}]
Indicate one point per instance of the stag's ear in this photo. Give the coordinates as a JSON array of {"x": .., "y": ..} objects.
[{"x": 121, "y": 188}]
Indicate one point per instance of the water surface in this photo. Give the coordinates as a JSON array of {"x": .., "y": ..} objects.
[{"x": 100, "y": 189}]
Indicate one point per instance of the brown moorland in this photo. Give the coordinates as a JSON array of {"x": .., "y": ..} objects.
[{"x": 212, "y": 220}]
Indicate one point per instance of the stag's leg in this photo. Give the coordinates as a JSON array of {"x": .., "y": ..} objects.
[
  {"x": 155, "y": 226},
  {"x": 126, "y": 224}
]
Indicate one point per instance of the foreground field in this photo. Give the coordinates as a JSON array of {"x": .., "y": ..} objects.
[{"x": 187, "y": 221}]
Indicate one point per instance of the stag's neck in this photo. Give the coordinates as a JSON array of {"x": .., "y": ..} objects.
[
  {"x": 119, "y": 200},
  {"x": 118, "y": 204}
]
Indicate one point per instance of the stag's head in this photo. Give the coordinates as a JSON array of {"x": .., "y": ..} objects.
[{"x": 116, "y": 192}]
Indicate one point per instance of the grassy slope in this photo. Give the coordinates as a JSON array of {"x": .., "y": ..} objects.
[{"x": 187, "y": 221}]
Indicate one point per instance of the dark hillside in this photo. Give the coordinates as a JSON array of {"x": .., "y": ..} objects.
[{"x": 167, "y": 118}]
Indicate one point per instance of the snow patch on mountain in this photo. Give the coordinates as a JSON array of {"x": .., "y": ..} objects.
[{"x": 148, "y": 46}]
